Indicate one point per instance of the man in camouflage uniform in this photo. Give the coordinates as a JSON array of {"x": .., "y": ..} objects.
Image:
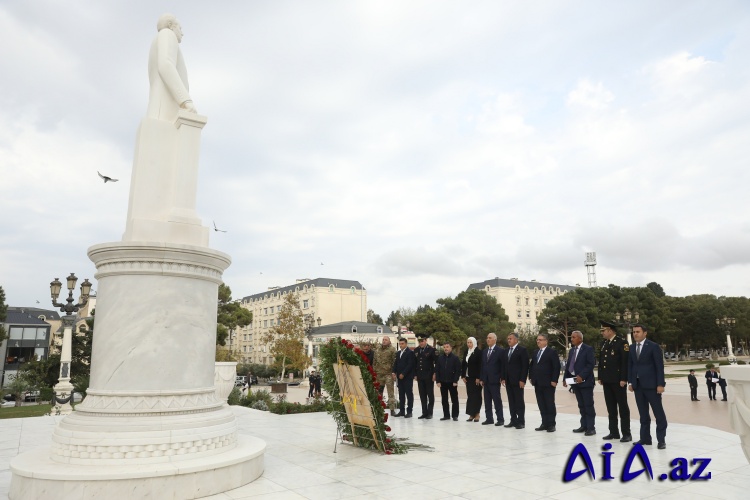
[
  {"x": 613, "y": 377},
  {"x": 385, "y": 354}
]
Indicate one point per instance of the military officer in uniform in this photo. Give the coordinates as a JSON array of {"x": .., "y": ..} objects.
[
  {"x": 384, "y": 357},
  {"x": 425, "y": 374},
  {"x": 613, "y": 377}
]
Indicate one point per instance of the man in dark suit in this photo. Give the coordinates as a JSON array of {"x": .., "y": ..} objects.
[
  {"x": 711, "y": 375},
  {"x": 646, "y": 379},
  {"x": 515, "y": 372},
  {"x": 403, "y": 374},
  {"x": 722, "y": 385},
  {"x": 613, "y": 377},
  {"x": 543, "y": 374},
  {"x": 580, "y": 367},
  {"x": 425, "y": 374},
  {"x": 447, "y": 373},
  {"x": 489, "y": 378},
  {"x": 693, "y": 386}
]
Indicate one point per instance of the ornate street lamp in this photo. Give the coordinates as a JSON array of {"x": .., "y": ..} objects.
[
  {"x": 625, "y": 319},
  {"x": 64, "y": 389},
  {"x": 726, "y": 324}
]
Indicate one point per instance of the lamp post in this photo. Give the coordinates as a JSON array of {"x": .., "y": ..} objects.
[
  {"x": 664, "y": 352},
  {"x": 726, "y": 324},
  {"x": 64, "y": 389},
  {"x": 625, "y": 318},
  {"x": 743, "y": 344},
  {"x": 309, "y": 325}
]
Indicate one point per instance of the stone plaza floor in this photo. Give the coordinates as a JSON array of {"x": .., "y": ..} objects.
[{"x": 468, "y": 460}]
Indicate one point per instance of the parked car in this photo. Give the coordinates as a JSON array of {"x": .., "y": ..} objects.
[
  {"x": 9, "y": 397},
  {"x": 31, "y": 396}
]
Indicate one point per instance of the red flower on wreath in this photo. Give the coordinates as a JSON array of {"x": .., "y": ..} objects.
[
  {"x": 382, "y": 403},
  {"x": 380, "y": 398},
  {"x": 343, "y": 341},
  {"x": 387, "y": 428},
  {"x": 349, "y": 345},
  {"x": 387, "y": 440},
  {"x": 385, "y": 417},
  {"x": 388, "y": 452},
  {"x": 377, "y": 385}
]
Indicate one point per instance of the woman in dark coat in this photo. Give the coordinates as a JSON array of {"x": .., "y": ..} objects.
[{"x": 470, "y": 367}]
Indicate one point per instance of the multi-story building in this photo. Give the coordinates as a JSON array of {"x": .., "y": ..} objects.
[
  {"x": 323, "y": 302},
  {"x": 523, "y": 301},
  {"x": 29, "y": 336}
]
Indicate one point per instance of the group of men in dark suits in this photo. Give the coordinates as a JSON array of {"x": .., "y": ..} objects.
[
  {"x": 422, "y": 365},
  {"x": 713, "y": 378},
  {"x": 638, "y": 367}
]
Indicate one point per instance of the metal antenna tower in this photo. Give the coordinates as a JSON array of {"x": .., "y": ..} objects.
[{"x": 591, "y": 268}]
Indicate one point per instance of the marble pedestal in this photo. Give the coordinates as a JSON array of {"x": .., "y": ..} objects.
[
  {"x": 738, "y": 378},
  {"x": 151, "y": 419}
]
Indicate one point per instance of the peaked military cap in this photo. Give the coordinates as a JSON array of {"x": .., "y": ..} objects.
[
  {"x": 608, "y": 324},
  {"x": 422, "y": 336}
]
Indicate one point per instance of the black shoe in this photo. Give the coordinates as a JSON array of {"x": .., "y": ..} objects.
[
  {"x": 642, "y": 442},
  {"x": 399, "y": 414},
  {"x": 551, "y": 429},
  {"x": 471, "y": 419},
  {"x": 662, "y": 446},
  {"x": 421, "y": 417},
  {"x": 511, "y": 424},
  {"x": 611, "y": 436},
  {"x": 455, "y": 419},
  {"x": 500, "y": 423},
  {"x": 626, "y": 438},
  {"x": 590, "y": 432},
  {"x": 429, "y": 417},
  {"x": 579, "y": 430},
  {"x": 520, "y": 426},
  {"x": 724, "y": 399},
  {"x": 541, "y": 428},
  {"x": 488, "y": 422},
  {"x": 696, "y": 400},
  {"x": 445, "y": 418},
  {"x": 408, "y": 415}
]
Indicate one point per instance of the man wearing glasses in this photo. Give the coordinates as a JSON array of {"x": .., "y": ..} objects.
[{"x": 543, "y": 375}]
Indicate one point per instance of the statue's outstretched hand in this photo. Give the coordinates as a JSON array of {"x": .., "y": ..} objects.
[{"x": 189, "y": 106}]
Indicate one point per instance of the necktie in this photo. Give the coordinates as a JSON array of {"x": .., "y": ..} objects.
[
  {"x": 510, "y": 353},
  {"x": 573, "y": 359},
  {"x": 489, "y": 353},
  {"x": 638, "y": 351},
  {"x": 400, "y": 354},
  {"x": 539, "y": 356}
]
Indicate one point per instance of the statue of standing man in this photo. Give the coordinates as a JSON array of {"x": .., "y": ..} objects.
[
  {"x": 167, "y": 73},
  {"x": 164, "y": 181}
]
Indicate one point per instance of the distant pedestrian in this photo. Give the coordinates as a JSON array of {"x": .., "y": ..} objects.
[
  {"x": 311, "y": 380},
  {"x": 693, "y": 386},
  {"x": 712, "y": 377},
  {"x": 722, "y": 385}
]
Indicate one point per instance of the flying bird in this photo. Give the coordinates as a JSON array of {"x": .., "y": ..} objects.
[
  {"x": 217, "y": 229},
  {"x": 106, "y": 178},
  {"x": 37, "y": 301},
  {"x": 322, "y": 264}
]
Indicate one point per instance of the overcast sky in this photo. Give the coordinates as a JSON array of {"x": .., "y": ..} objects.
[{"x": 416, "y": 147}]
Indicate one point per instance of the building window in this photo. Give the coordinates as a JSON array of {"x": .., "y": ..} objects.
[
  {"x": 278, "y": 308},
  {"x": 527, "y": 301},
  {"x": 353, "y": 290},
  {"x": 528, "y": 314},
  {"x": 354, "y": 328},
  {"x": 518, "y": 301},
  {"x": 379, "y": 329},
  {"x": 305, "y": 304},
  {"x": 265, "y": 323},
  {"x": 265, "y": 310},
  {"x": 519, "y": 313},
  {"x": 330, "y": 288},
  {"x": 536, "y": 302},
  {"x": 545, "y": 301}
]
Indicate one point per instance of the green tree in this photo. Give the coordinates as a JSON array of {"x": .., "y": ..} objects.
[
  {"x": 3, "y": 315},
  {"x": 230, "y": 315},
  {"x": 656, "y": 288},
  {"x": 564, "y": 314},
  {"x": 286, "y": 339},
  {"x": 374, "y": 318},
  {"x": 476, "y": 314},
  {"x": 400, "y": 316},
  {"x": 439, "y": 324}
]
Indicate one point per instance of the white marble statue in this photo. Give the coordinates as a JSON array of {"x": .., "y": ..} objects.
[
  {"x": 167, "y": 73},
  {"x": 164, "y": 180},
  {"x": 151, "y": 425}
]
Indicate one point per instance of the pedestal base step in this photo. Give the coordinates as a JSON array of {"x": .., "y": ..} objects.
[{"x": 36, "y": 476}]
